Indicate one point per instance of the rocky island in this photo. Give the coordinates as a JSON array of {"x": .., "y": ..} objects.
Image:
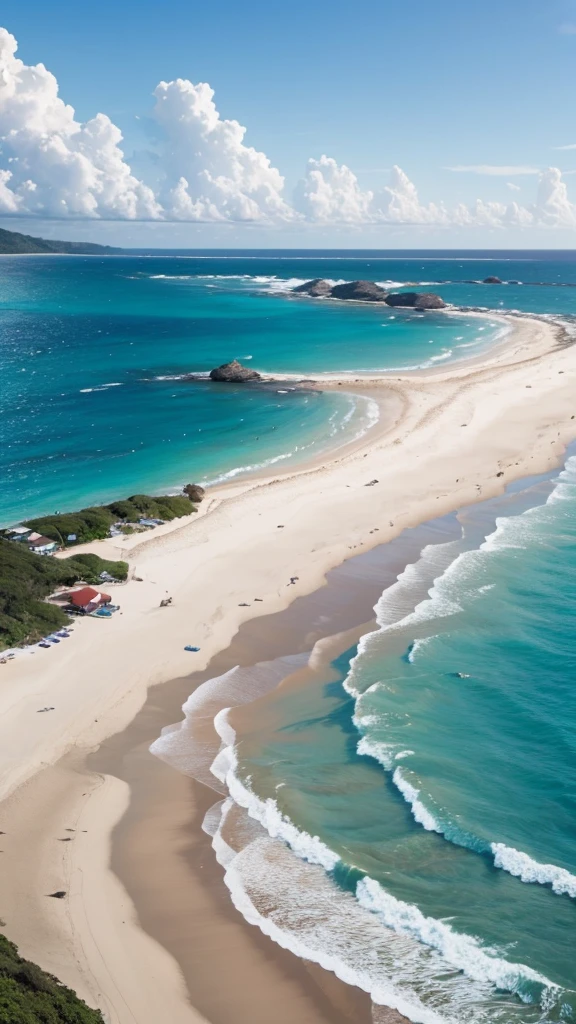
[
  {"x": 360, "y": 291},
  {"x": 234, "y": 373},
  {"x": 416, "y": 300},
  {"x": 368, "y": 291}
]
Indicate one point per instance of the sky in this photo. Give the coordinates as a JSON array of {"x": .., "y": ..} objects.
[{"x": 297, "y": 125}]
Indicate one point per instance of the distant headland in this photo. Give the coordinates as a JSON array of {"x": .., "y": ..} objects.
[{"x": 12, "y": 242}]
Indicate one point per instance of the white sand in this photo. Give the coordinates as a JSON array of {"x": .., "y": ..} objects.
[{"x": 511, "y": 412}]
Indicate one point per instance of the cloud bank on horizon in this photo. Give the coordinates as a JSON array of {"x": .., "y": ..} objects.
[{"x": 53, "y": 166}]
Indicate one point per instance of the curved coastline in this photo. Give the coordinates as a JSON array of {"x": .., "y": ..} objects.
[{"x": 464, "y": 432}]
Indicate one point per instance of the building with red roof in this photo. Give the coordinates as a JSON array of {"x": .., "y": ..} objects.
[{"x": 88, "y": 599}]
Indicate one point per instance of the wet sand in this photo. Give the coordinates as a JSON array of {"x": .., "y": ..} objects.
[{"x": 164, "y": 859}]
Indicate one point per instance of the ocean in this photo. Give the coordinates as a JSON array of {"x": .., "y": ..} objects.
[
  {"x": 398, "y": 807},
  {"x": 402, "y": 811},
  {"x": 93, "y": 351}
]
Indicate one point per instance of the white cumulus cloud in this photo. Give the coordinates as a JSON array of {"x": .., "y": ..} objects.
[
  {"x": 210, "y": 173},
  {"x": 53, "y": 165},
  {"x": 552, "y": 204},
  {"x": 399, "y": 203},
  {"x": 330, "y": 192}
]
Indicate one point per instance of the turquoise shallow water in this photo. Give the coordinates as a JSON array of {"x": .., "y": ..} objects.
[
  {"x": 91, "y": 351},
  {"x": 434, "y": 780},
  {"x": 409, "y": 822}
]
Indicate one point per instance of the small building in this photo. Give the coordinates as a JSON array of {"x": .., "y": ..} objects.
[
  {"x": 41, "y": 545},
  {"x": 19, "y": 533},
  {"x": 88, "y": 600}
]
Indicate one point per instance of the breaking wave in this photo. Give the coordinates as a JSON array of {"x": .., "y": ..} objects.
[
  {"x": 454, "y": 576},
  {"x": 338, "y": 936},
  {"x": 519, "y": 864}
]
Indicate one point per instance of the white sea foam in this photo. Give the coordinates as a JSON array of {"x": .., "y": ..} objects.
[
  {"x": 454, "y": 589},
  {"x": 411, "y": 795},
  {"x": 282, "y": 285},
  {"x": 520, "y": 531},
  {"x": 401, "y": 605},
  {"x": 278, "y": 826},
  {"x": 462, "y": 951},
  {"x": 190, "y": 746},
  {"x": 519, "y": 864},
  {"x": 380, "y": 751},
  {"x": 455, "y": 573},
  {"x": 416, "y": 965},
  {"x": 253, "y": 467},
  {"x": 318, "y": 925},
  {"x": 419, "y": 645},
  {"x": 101, "y": 387},
  {"x": 404, "y": 959},
  {"x": 365, "y": 409}
]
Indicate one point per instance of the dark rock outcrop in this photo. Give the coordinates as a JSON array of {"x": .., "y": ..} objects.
[
  {"x": 492, "y": 280},
  {"x": 194, "y": 491},
  {"x": 415, "y": 300},
  {"x": 362, "y": 291},
  {"x": 234, "y": 373},
  {"x": 429, "y": 300},
  {"x": 316, "y": 288},
  {"x": 401, "y": 299},
  {"x": 368, "y": 291}
]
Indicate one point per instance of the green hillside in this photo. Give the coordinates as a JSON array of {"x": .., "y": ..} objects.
[
  {"x": 26, "y": 579},
  {"x": 14, "y": 242},
  {"x": 29, "y": 995}
]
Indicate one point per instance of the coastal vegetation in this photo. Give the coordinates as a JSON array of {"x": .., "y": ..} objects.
[
  {"x": 14, "y": 242},
  {"x": 68, "y": 528},
  {"x": 26, "y": 579},
  {"x": 28, "y": 995}
]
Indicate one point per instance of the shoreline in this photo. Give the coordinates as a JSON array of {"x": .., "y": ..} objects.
[
  {"x": 167, "y": 806},
  {"x": 463, "y": 435},
  {"x": 329, "y": 380}
]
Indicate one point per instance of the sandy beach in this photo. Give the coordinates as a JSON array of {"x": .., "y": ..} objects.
[{"x": 445, "y": 439}]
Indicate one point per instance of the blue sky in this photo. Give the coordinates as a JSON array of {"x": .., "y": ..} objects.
[{"x": 423, "y": 86}]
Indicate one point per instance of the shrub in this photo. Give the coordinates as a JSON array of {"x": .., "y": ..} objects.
[
  {"x": 26, "y": 578},
  {"x": 94, "y": 523},
  {"x": 29, "y": 995},
  {"x": 90, "y": 566}
]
